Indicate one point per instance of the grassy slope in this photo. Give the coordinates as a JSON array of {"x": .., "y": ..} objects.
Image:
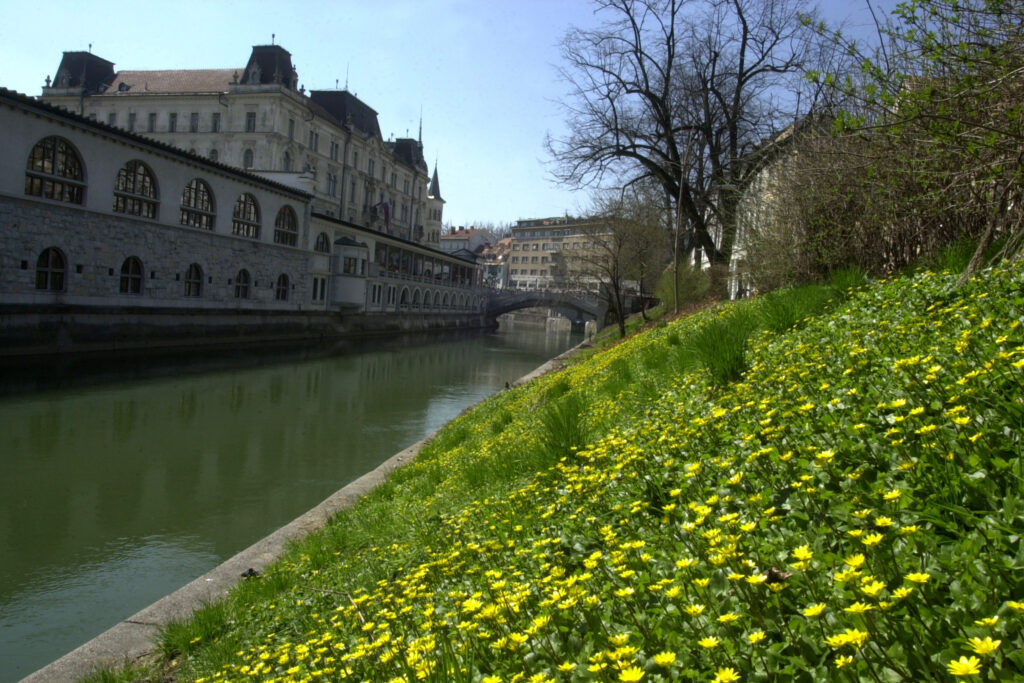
[{"x": 848, "y": 508}]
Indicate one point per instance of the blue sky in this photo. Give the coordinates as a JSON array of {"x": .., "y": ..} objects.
[{"x": 483, "y": 72}]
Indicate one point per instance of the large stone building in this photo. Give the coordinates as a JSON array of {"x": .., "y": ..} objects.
[
  {"x": 110, "y": 239},
  {"x": 259, "y": 118}
]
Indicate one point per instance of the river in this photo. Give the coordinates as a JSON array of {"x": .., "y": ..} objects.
[{"x": 114, "y": 495}]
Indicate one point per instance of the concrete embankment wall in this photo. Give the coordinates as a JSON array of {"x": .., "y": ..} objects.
[
  {"x": 134, "y": 637},
  {"x": 34, "y": 330}
]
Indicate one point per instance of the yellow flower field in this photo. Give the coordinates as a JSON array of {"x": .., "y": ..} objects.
[{"x": 844, "y": 504}]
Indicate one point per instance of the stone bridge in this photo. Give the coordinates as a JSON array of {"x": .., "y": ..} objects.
[{"x": 586, "y": 306}]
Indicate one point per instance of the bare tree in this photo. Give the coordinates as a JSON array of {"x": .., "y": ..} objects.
[
  {"x": 682, "y": 92},
  {"x": 624, "y": 250}
]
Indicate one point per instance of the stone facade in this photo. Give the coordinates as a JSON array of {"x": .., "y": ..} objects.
[
  {"x": 94, "y": 217},
  {"x": 258, "y": 117}
]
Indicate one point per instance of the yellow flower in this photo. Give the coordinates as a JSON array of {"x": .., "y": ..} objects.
[
  {"x": 694, "y": 610},
  {"x": 814, "y": 610},
  {"x": 872, "y": 539},
  {"x": 726, "y": 675},
  {"x": 566, "y": 667},
  {"x": 633, "y": 673},
  {"x": 858, "y": 608},
  {"x": 987, "y": 621},
  {"x": 728, "y": 617},
  {"x": 965, "y": 666},
  {"x": 872, "y": 588},
  {"x": 854, "y": 561},
  {"x": 918, "y": 577},
  {"x": 665, "y": 659},
  {"x": 850, "y": 635},
  {"x": 803, "y": 553},
  {"x": 709, "y": 642},
  {"x": 1017, "y": 607},
  {"x": 492, "y": 679},
  {"x": 983, "y": 647},
  {"x": 755, "y": 637},
  {"x": 843, "y": 661},
  {"x": 619, "y": 639}
]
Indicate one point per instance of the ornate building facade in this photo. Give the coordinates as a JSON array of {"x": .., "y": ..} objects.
[
  {"x": 110, "y": 239},
  {"x": 257, "y": 117}
]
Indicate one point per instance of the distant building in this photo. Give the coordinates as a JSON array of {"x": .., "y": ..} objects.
[
  {"x": 258, "y": 117},
  {"x": 554, "y": 253},
  {"x": 466, "y": 239},
  {"x": 494, "y": 260}
]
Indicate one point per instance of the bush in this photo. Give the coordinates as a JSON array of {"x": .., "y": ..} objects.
[{"x": 693, "y": 286}]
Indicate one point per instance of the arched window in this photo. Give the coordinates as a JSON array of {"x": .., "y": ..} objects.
[
  {"x": 194, "y": 280},
  {"x": 242, "y": 284},
  {"x": 55, "y": 171},
  {"x": 197, "y": 205},
  {"x": 323, "y": 243},
  {"x": 50, "y": 269},
  {"x": 281, "y": 290},
  {"x": 247, "y": 159},
  {"x": 286, "y": 230},
  {"x": 135, "y": 190},
  {"x": 286, "y": 162},
  {"x": 131, "y": 276},
  {"x": 246, "y": 219}
]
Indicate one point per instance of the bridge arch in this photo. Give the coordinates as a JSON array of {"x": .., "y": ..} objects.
[{"x": 500, "y": 302}]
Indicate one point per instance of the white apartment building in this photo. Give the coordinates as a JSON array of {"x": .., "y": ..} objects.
[{"x": 554, "y": 253}]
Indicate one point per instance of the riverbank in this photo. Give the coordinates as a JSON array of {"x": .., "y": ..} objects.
[
  {"x": 33, "y": 331},
  {"x": 822, "y": 482},
  {"x": 133, "y": 637}
]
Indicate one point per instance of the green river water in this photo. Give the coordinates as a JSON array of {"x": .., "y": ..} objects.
[{"x": 114, "y": 495}]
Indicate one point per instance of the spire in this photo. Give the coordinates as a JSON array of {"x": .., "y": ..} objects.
[
  {"x": 420, "y": 138},
  {"x": 435, "y": 187}
]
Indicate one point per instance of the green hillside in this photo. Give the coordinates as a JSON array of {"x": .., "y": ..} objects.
[{"x": 744, "y": 494}]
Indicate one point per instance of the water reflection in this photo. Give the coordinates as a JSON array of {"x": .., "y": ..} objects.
[{"x": 113, "y": 496}]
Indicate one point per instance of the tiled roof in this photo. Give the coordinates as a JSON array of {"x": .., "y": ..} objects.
[{"x": 173, "y": 81}]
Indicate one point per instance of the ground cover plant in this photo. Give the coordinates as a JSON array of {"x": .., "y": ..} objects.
[{"x": 844, "y": 504}]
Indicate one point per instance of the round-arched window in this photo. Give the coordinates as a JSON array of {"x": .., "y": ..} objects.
[
  {"x": 135, "y": 190},
  {"x": 55, "y": 171},
  {"x": 281, "y": 290},
  {"x": 50, "y": 269},
  {"x": 197, "y": 205},
  {"x": 286, "y": 227},
  {"x": 245, "y": 221},
  {"x": 131, "y": 276}
]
